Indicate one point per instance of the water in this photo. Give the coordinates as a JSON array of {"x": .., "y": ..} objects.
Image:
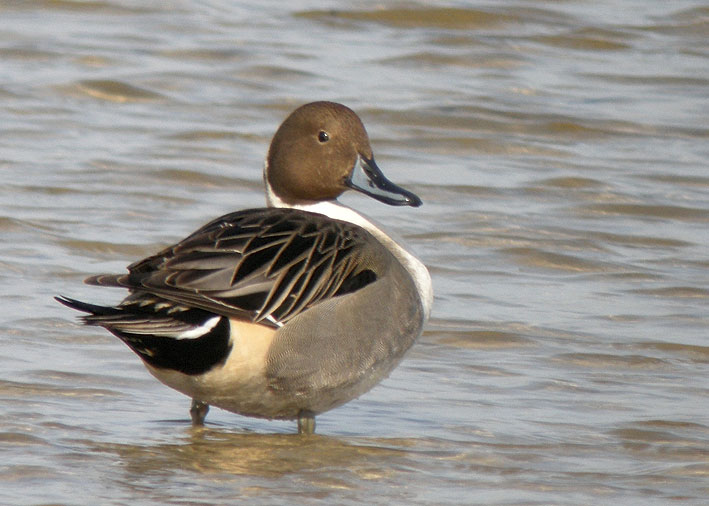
[{"x": 560, "y": 149}]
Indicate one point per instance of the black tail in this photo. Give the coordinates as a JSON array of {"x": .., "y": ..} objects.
[
  {"x": 93, "y": 309},
  {"x": 188, "y": 340}
]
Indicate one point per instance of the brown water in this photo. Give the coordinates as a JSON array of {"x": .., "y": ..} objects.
[{"x": 560, "y": 149}]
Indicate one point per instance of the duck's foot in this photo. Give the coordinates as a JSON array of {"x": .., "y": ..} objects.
[
  {"x": 198, "y": 412},
  {"x": 306, "y": 422}
]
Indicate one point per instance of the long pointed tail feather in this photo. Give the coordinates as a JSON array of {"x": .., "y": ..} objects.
[
  {"x": 188, "y": 340},
  {"x": 94, "y": 309}
]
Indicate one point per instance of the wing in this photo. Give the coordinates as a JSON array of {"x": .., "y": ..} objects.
[{"x": 261, "y": 265}]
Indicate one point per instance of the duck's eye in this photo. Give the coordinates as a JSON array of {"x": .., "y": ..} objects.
[{"x": 323, "y": 136}]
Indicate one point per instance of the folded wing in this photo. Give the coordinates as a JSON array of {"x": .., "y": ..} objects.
[{"x": 261, "y": 265}]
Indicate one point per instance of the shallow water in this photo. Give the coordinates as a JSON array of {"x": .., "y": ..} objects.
[{"x": 560, "y": 149}]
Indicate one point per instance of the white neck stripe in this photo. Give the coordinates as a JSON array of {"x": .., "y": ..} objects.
[{"x": 337, "y": 211}]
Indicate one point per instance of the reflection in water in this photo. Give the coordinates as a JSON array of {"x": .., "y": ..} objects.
[{"x": 209, "y": 451}]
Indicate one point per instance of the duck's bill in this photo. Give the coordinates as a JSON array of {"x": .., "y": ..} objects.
[{"x": 368, "y": 179}]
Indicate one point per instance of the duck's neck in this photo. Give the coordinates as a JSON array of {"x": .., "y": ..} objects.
[{"x": 337, "y": 211}]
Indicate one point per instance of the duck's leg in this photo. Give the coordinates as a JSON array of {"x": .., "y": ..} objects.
[
  {"x": 306, "y": 422},
  {"x": 198, "y": 412}
]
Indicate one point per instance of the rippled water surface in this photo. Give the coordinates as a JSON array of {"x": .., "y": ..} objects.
[{"x": 561, "y": 151}]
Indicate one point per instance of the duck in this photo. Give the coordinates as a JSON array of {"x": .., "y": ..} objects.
[{"x": 287, "y": 311}]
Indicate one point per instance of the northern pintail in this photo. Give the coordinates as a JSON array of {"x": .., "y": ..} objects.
[{"x": 287, "y": 311}]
